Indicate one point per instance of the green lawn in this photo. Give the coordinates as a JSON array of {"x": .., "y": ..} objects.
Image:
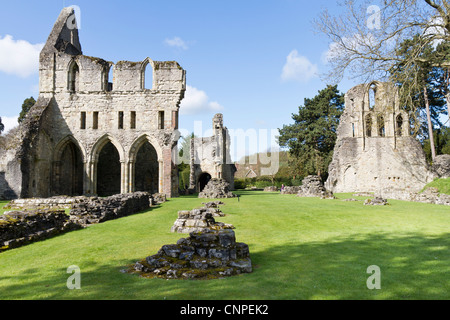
[{"x": 301, "y": 249}]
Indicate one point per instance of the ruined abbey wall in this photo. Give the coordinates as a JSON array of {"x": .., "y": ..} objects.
[
  {"x": 374, "y": 150},
  {"x": 88, "y": 132}
]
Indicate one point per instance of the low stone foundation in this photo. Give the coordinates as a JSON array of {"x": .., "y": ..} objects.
[
  {"x": 41, "y": 203},
  {"x": 19, "y": 228},
  {"x": 430, "y": 195},
  {"x": 86, "y": 211},
  {"x": 30, "y": 224},
  {"x": 204, "y": 255}
]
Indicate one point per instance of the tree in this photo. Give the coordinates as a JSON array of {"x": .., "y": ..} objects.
[
  {"x": 26, "y": 106},
  {"x": 420, "y": 82},
  {"x": 312, "y": 137},
  {"x": 365, "y": 38},
  {"x": 2, "y": 126}
]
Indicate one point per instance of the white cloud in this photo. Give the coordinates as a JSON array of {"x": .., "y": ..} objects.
[
  {"x": 298, "y": 68},
  {"x": 197, "y": 101},
  {"x": 9, "y": 123},
  {"x": 177, "y": 43},
  {"x": 19, "y": 57}
]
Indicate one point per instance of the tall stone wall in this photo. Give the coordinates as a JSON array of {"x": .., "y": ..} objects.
[
  {"x": 374, "y": 150},
  {"x": 81, "y": 110}
]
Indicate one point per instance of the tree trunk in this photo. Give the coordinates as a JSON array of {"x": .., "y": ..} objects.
[
  {"x": 447, "y": 98},
  {"x": 430, "y": 125}
]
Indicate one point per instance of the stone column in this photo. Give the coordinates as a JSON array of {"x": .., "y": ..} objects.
[{"x": 167, "y": 171}]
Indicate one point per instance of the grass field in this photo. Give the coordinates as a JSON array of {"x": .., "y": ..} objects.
[{"x": 301, "y": 249}]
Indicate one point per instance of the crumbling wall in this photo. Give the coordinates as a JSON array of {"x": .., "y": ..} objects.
[
  {"x": 211, "y": 155},
  {"x": 374, "y": 151}
]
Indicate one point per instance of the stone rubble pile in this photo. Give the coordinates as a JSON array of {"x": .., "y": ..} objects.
[
  {"x": 377, "y": 201},
  {"x": 217, "y": 189},
  {"x": 271, "y": 189},
  {"x": 312, "y": 186},
  {"x": 210, "y": 251},
  {"x": 203, "y": 255},
  {"x": 200, "y": 220}
]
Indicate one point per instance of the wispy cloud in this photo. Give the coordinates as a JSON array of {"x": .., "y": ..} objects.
[
  {"x": 19, "y": 57},
  {"x": 298, "y": 68},
  {"x": 197, "y": 101},
  {"x": 176, "y": 42}
]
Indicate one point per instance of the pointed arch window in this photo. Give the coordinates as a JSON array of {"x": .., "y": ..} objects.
[{"x": 73, "y": 77}]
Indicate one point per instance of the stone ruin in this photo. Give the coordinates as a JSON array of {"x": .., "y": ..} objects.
[
  {"x": 201, "y": 219},
  {"x": 375, "y": 151},
  {"x": 18, "y": 228},
  {"x": 203, "y": 255},
  {"x": 210, "y": 251},
  {"x": 376, "y": 201},
  {"x": 216, "y": 189},
  {"x": 93, "y": 134},
  {"x": 312, "y": 186},
  {"x": 291, "y": 190},
  {"x": 210, "y": 157},
  {"x": 37, "y": 219}
]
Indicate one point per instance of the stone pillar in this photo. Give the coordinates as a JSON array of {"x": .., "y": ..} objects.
[
  {"x": 131, "y": 177},
  {"x": 167, "y": 171},
  {"x": 123, "y": 177}
]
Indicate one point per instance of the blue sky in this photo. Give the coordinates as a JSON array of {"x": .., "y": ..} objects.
[{"x": 253, "y": 61}]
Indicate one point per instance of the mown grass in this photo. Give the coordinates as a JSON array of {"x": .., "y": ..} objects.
[{"x": 301, "y": 249}]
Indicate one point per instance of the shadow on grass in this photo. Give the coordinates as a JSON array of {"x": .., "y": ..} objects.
[{"x": 412, "y": 267}]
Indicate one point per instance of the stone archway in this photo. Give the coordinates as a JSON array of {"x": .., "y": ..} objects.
[
  {"x": 146, "y": 169},
  {"x": 108, "y": 171},
  {"x": 68, "y": 170},
  {"x": 203, "y": 180}
]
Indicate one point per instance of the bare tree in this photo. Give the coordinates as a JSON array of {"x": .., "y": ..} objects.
[{"x": 364, "y": 37}]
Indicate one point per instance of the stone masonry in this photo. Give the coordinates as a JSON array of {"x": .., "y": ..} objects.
[
  {"x": 97, "y": 128},
  {"x": 210, "y": 157},
  {"x": 374, "y": 150}
]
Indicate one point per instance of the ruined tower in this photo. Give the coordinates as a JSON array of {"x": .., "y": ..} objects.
[
  {"x": 97, "y": 127},
  {"x": 374, "y": 151},
  {"x": 210, "y": 157}
]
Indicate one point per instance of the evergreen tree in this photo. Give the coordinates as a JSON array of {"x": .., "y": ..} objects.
[
  {"x": 312, "y": 137},
  {"x": 26, "y": 106}
]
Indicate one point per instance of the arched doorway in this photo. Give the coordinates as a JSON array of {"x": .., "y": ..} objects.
[
  {"x": 108, "y": 171},
  {"x": 203, "y": 181},
  {"x": 68, "y": 171},
  {"x": 146, "y": 169}
]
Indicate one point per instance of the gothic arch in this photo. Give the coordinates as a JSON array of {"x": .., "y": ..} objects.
[
  {"x": 145, "y": 74},
  {"x": 68, "y": 168},
  {"x": 101, "y": 142},
  {"x": 137, "y": 144},
  {"x": 73, "y": 76}
]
